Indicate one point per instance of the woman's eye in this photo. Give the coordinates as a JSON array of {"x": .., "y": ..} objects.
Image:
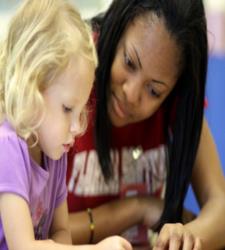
[
  {"x": 153, "y": 92},
  {"x": 128, "y": 62},
  {"x": 67, "y": 109}
]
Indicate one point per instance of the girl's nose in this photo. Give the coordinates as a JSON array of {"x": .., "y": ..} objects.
[
  {"x": 76, "y": 127},
  {"x": 79, "y": 124}
]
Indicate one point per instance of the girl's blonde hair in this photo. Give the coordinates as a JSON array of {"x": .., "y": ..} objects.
[{"x": 43, "y": 36}]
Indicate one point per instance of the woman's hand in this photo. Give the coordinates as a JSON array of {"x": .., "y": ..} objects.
[
  {"x": 177, "y": 237},
  {"x": 114, "y": 243}
]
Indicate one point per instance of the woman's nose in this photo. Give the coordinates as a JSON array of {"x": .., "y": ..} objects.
[{"x": 132, "y": 91}]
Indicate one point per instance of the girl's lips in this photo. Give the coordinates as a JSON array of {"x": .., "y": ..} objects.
[{"x": 67, "y": 147}]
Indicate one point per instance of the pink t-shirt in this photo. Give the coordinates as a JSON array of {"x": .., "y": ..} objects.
[{"x": 42, "y": 188}]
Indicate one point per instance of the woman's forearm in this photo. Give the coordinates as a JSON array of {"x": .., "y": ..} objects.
[
  {"x": 62, "y": 236},
  {"x": 210, "y": 224},
  {"x": 113, "y": 218}
]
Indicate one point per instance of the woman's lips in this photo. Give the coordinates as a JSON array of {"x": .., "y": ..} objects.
[{"x": 119, "y": 107}]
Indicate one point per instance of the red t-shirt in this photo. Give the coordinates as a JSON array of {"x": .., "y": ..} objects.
[{"x": 138, "y": 153}]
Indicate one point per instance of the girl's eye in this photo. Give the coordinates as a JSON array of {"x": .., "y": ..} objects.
[
  {"x": 67, "y": 109},
  {"x": 129, "y": 62}
]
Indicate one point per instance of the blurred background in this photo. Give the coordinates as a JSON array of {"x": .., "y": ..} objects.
[{"x": 215, "y": 92}]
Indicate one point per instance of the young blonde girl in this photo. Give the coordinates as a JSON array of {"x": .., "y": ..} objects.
[{"x": 47, "y": 69}]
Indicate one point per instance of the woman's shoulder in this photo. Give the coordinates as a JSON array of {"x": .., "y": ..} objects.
[{"x": 96, "y": 23}]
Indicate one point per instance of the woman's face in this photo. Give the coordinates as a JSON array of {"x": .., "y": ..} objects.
[{"x": 144, "y": 71}]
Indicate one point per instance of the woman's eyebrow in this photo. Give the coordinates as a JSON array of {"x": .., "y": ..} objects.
[
  {"x": 159, "y": 82},
  {"x": 137, "y": 56}
]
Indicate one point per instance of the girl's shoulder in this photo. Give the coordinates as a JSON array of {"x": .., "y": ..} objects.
[
  {"x": 7, "y": 131},
  {"x": 15, "y": 167},
  {"x": 9, "y": 138}
]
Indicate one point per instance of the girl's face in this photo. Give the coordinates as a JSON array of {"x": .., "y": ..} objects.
[
  {"x": 65, "y": 103},
  {"x": 144, "y": 71}
]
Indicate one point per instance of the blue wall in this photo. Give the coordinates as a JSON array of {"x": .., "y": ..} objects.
[{"x": 215, "y": 113}]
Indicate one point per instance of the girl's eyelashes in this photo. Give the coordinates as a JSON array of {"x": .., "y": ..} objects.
[
  {"x": 128, "y": 62},
  {"x": 67, "y": 109}
]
